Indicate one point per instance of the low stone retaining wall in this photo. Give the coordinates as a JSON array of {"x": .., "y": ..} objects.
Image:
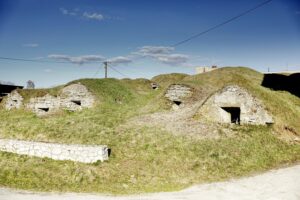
[{"x": 77, "y": 153}]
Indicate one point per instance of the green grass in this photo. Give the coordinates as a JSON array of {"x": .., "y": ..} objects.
[{"x": 147, "y": 159}]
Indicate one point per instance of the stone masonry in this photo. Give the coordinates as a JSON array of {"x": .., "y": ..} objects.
[
  {"x": 13, "y": 100},
  {"x": 178, "y": 93},
  {"x": 235, "y": 102},
  {"x": 77, "y": 153},
  {"x": 44, "y": 105},
  {"x": 73, "y": 97}
]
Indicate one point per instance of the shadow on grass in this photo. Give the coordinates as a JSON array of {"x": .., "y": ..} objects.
[{"x": 282, "y": 82}]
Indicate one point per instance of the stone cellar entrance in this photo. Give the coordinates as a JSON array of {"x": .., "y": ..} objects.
[
  {"x": 44, "y": 109},
  {"x": 77, "y": 102},
  {"x": 235, "y": 114},
  {"x": 177, "y": 103},
  {"x": 233, "y": 104}
]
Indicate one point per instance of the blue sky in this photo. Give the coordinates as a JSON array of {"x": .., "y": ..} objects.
[{"x": 137, "y": 35}]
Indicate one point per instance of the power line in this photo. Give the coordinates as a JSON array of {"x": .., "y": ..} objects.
[
  {"x": 222, "y": 24},
  {"x": 119, "y": 72},
  {"x": 41, "y": 61},
  {"x": 97, "y": 72},
  {"x": 31, "y": 60},
  {"x": 106, "y": 66},
  {"x": 174, "y": 45},
  {"x": 48, "y": 61}
]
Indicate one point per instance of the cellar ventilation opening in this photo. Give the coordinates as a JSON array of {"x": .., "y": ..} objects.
[
  {"x": 154, "y": 86},
  {"x": 44, "y": 109},
  {"x": 177, "y": 103},
  {"x": 77, "y": 102},
  {"x": 235, "y": 114},
  {"x": 269, "y": 123}
]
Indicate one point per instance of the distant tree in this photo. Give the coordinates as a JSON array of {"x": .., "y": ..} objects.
[{"x": 30, "y": 84}]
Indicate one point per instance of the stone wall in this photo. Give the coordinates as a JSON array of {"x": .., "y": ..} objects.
[
  {"x": 251, "y": 109},
  {"x": 77, "y": 153},
  {"x": 178, "y": 93},
  {"x": 154, "y": 86},
  {"x": 13, "y": 100},
  {"x": 44, "y": 105},
  {"x": 73, "y": 97}
]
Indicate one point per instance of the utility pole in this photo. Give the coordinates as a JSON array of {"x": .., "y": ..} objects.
[{"x": 105, "y": 68}]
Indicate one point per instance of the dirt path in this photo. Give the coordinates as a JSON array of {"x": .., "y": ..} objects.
[
  {"x": 179, "y": 122},
  {"x": 281, "y": 184}
]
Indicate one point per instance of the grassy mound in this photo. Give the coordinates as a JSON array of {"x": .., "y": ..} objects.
[
  {"x": 148, "y": 159},
  {"x": 284, "y": 107}
]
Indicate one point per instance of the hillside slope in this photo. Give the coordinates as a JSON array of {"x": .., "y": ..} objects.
[
  {"x": 283, "y": 106},
  {"x": 147, "y": 157}
]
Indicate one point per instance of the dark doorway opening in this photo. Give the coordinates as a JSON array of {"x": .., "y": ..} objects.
[
  {"x": 235, "y": 114},
  {"x": 77, "y": 102},
  {"x": 154, "y": 86},
  {"x": 177, "y": 103},
  {"x": 44, "y": 109},
  {"x": 269, "y": 123}
]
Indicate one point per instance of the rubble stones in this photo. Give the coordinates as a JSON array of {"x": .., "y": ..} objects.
[{"x": 13, "y": 101}]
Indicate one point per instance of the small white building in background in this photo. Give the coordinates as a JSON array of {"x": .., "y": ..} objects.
[{"x": 201, "y": 70}]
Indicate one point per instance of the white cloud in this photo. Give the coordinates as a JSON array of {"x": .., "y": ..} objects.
[
  {"x": 162, "y": 54},
  {"x": 32, "y": 45},
  {"x": 120, "y": 60},
  {"x": 64, "y": 11},
  {"x": 154, "y": 50},
  {"x": 87, "y": 15},
  {"x": 173, "y": 59},
  {"x": 93, "y": 16},
  {"x": 68, "y": 12},
  {"x": 80, "y": 60}
]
